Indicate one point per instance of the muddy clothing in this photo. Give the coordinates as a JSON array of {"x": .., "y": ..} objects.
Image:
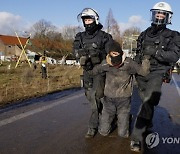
[
  {"x": 163, "y": 45},
  {"x": 90, "y": 50},
  {"x": 118, "y": 91},
  {"x": 115, "y": 106},
  {"x": 119, "y": 80}
]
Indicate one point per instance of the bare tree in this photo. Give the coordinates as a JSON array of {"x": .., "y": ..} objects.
[
  {"x": 109, "y": 21},
  {"x": 54, "y": 36},
  {"x": 42, "y": 27},
  {"x": 130, "y": 36},
  {"x": 112, "y": 26},
  {"x": 69, "y": 32},
  {"x": 133, "y": 31}
]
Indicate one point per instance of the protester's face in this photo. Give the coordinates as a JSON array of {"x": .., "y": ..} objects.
[
  {"x": 88, "y": 21},
  {"x": 160, "y": 15},
  {"x": 114, "y": 53}
]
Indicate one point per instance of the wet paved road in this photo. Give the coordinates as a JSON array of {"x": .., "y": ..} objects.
[{"x": 56, "y": 124}]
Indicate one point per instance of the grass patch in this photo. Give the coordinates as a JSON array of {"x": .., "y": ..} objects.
[{"x": 24, "y": 82}]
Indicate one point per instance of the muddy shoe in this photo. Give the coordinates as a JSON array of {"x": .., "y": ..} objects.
[
  {"x": 91, "y": 133},
  {"x": 103, "y": 133},
  {"x": 135, "y": 146}
]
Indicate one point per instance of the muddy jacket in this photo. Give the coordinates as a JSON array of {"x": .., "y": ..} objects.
[{"x": 119, "y": 80}]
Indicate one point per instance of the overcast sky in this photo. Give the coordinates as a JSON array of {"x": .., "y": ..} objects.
[{"x": 20, "y": 14}]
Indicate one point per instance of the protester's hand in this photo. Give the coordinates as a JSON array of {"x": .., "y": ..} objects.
[
  {"x": 146, "y": 57},
  {"x": 83, "y": 60},
  {"x": 146, "y": 64}
]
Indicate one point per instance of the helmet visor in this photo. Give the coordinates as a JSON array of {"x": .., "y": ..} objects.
[
  {"x": 87, "y": 13},
  {"x": 160, "y": 17}
]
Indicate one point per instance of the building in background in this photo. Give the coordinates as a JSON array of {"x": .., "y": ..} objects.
[{"x": 10, "y": 47}]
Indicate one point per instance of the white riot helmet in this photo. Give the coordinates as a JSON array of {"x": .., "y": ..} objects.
[
  {"x": 89, "y": 12},
  {"x": 165, "y": 10}
]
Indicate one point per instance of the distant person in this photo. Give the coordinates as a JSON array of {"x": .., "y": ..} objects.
[
  {"x": 44, "y": 67},
  {"x": 163, "y": 47},
  {"x": 35, "y": 65},
  {"x": 118, "y": 88},
  {"x": 90, "y": 48}
]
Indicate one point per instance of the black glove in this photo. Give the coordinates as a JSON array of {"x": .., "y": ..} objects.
[
  {"x": 83, "y": 60},
  {"x": 82, "y": 52},
  {"x": 151, "y": 51}
]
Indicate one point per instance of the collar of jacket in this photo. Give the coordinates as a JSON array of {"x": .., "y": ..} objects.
[{"x": 108, "y": 60}]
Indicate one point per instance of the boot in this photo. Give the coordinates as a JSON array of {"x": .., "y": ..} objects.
[{"x": 135, "y": 146}]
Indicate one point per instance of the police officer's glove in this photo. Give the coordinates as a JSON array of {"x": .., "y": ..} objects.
[
  {"x": 150, "y": 51},
  {"x": 83, "y": 60},
  {"x": 80, "y": 52}
]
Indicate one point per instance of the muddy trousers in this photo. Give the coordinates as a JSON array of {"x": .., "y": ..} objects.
[
  {"x": 94, "y": 94},
  {"x": 150, "y": 91},
  {"x": 112, "y": 107}
]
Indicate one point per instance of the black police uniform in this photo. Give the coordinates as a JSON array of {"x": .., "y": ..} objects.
[
  {"x": 93, "y": 46},
  {"x": 163, "y": 46}
]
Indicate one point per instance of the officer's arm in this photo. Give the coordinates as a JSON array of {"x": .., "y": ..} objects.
[
  {"x": 172, "y": 54},
  {"x": 107, "y": 39},
  {"x": 77, "y": 46},
  {"x": 139, "y": 55}
]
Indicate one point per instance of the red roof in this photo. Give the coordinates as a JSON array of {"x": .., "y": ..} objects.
[{"x": 12, "y": 40}]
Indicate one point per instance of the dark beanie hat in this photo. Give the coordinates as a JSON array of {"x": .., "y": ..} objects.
[{"x": 114, "y": 46}]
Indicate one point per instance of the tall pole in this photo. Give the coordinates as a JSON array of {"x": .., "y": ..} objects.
[{"x": 23, "y": 50}]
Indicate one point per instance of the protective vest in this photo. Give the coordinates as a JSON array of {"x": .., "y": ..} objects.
[
  {"x": 96, "y": 42},
  {"x": 154, "y": 43},
  {"x": 93, "y": 46}
]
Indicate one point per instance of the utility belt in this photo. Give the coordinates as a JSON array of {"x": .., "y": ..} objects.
[{"x": 95, "y": 57}]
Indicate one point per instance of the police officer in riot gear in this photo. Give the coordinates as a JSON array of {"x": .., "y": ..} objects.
[
  {"x": 162, "y": 45},
  {"x": 90, "y": 48}
]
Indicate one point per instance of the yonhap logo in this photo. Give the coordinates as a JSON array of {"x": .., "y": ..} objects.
[{"x": 152, "y": 140}]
